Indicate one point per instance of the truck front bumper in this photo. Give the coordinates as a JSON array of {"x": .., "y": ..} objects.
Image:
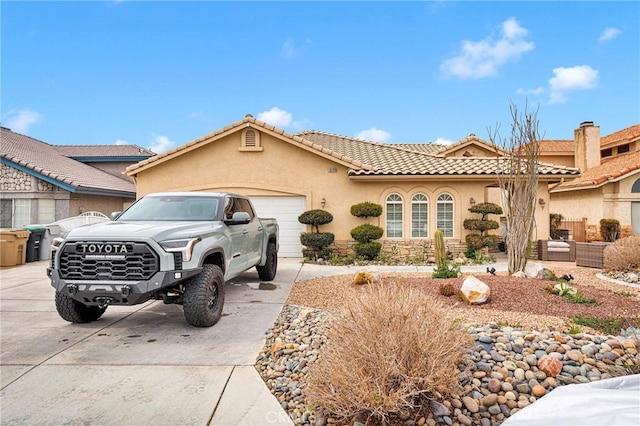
[{"x": 111, "y": 292}]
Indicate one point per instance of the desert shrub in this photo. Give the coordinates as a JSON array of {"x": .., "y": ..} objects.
[
  {"x": 623, "y": 255},
  {"x": 446, "y": 271},
  {"x": 366, "y": 233},
  {"x": 315, "y": 218},
  {"x": 366, "y": 209},
  {"x": 368, "y": 250},
  {"x": 609, "y": 229},
  {"x": 394, "y": 349}
]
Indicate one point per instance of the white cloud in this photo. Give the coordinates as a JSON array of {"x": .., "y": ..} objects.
[
  {"x": 534, "y": 92},
  {"x": 290, "y": 49},
  {"x": 121, "y": 142},
  {"x": 483, "y": 58},
  {"x": 20, "y": 120},
  {"x": 609, "y": 34},
  {"x": 374, "y": 134},
  {"x": 276, "y": 117},
  {"x": 301, "y": 125},
  {"x": 444, "y": 141},
  {"x": 161, "y": 144},
  {"x": 580, "y": 77}
]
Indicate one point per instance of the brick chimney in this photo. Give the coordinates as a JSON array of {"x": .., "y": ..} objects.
[{"x": 587, "y": 139}]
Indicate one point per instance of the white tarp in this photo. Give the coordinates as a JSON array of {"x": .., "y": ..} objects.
[{"x": 610, "y": 402}]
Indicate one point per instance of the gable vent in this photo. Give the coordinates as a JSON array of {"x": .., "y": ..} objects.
[{"x": 250, "y": 138}]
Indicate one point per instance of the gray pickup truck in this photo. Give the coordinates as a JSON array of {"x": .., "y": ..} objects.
[{"x": 178, "y": 247}]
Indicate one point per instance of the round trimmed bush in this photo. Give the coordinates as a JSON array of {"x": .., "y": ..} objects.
[
  {"x": 368, "y": 250},
  {"x": 366, "y": 209},
  {"x": 480, "y": 225},
  {"x": 313, "y": 254},
  {"x": 316, "y": 239},
  {"x": 315, "y": 218},
  {"x": 366, "y": 233}
]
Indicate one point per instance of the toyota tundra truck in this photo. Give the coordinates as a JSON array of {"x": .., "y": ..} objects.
[{"x": 178, "y": 247}]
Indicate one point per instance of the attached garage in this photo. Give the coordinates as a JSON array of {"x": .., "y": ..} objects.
[{"x": 286, "y": 210}]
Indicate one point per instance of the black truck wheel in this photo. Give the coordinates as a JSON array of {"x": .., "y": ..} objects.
[
  {"x": 204, "y": 297},
  {"x": 268, "y": 271},
  {"x": 74, "y": 311}
]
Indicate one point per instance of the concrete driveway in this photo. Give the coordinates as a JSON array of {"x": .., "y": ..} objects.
[{"x": 136, "y": 365}]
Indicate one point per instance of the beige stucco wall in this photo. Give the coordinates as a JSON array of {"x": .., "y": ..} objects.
[
  {"x": 611, "y": 201},
  {"x": 560, "y": 160},
  {"x": 284, "y": 169}
]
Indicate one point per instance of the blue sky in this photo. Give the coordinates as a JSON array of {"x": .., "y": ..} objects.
[{"x": 159, "y": 74}]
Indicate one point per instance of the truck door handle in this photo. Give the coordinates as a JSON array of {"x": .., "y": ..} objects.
[
  {"x": 260, "y": 229},
  {"x": 244, "y": 231}
]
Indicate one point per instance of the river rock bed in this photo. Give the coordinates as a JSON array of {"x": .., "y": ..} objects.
[{"x": 504, "y": 372}]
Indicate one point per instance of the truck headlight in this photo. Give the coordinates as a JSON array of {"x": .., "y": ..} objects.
[
  {"x": 56, "y": 243},
  {"x": 184, "y": 246}
]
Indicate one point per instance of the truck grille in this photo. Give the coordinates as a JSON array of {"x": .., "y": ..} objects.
[{"x": 107, "y": 260}]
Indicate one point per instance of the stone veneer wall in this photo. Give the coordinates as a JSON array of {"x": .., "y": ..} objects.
[
  {"x": 15, "y": 180},
  {"x": 415, "y": 251}
]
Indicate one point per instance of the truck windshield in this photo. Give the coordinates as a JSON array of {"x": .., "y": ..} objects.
[{"x": 172, "y": 208}]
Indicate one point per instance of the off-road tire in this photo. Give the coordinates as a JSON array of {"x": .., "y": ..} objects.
[
  {"x": 268, "y": 271},
  {"x": 204, "y": 297},
  {"x": 74, "y": 311}
]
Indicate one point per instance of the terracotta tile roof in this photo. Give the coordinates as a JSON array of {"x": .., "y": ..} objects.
[
  {"x": 621, "y": 136},
  {"x": 44, "y": 159},
  {"x": 557, "y": 146},
  {"x": 469, "y": 140},
  {"x": 364, "y": 157},
  {"x": 611, "y": 170},
  {"x": 426, "y": 148},
  {"x": 103, "y": 151}
]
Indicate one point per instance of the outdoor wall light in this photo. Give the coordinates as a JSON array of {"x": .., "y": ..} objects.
[
  {"x": 542, "y": 202},
  {"x": 472, "y": 201},
  {"x": 323, "y": 202}
]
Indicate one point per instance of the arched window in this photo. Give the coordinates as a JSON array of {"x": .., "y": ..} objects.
[
  {"x": 394, "y": 216},
  {"x": 636, "y": 186},
  {"x": 444, "y": 214},
  {"x": 419, "y": 216}
]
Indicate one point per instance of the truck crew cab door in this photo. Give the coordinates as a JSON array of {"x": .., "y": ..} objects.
[{"x": 238, "y": 236}]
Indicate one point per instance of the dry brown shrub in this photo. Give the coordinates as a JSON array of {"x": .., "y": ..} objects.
[
  {"x": 623, "y": 255},
  {"x": 395, "y": 347}
]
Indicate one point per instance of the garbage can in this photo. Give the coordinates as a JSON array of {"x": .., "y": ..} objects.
[
  {"x": 52, "y": 231},
  {"x": 13, "y": 248},
  {"x": 33, "y": 243}
]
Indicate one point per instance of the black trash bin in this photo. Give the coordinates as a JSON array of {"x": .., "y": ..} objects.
[{"x": 34, "y": 242}]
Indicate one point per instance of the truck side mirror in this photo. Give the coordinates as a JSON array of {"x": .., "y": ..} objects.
[
  {"x": 239, "y": 218},
  {"x": 114, "y": 215}
]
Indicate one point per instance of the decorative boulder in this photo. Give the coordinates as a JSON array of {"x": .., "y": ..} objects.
[
  {"x": 550, "y": 365},
  {"x": 518, "y": 274},
  {"x": 534, "y": 270},
  {"x": 474, "y": 291}
]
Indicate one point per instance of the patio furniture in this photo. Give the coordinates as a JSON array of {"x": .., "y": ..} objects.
[
  {"x": 590, "y": 254},
  {"x": 558, "y": 250}
]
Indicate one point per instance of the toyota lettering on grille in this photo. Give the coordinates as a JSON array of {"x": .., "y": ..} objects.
[{"x": 102, "y": 248}]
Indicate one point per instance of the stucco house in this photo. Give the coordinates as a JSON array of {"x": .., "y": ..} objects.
[
  {"x": 43, "y": 183},
  {"x": 421, "y": 187},
  {"x": 609, "y": 184}
]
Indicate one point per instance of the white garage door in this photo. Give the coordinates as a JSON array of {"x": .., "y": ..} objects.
[{"x": 286, "y": 210}]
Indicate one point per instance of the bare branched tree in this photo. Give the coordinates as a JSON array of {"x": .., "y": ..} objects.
[{"x": 518, "y": 180}]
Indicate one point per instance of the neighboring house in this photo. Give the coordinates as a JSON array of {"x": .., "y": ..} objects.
[
  {"x": 43, "y": 183},
  {"x": 609, "y": 184},
  {"x": 421, "y": 187}
]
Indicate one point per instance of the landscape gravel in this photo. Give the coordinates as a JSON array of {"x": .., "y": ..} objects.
[
  {"x": 504, "y": 372},
  {"x": 521, "y": 325}
]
